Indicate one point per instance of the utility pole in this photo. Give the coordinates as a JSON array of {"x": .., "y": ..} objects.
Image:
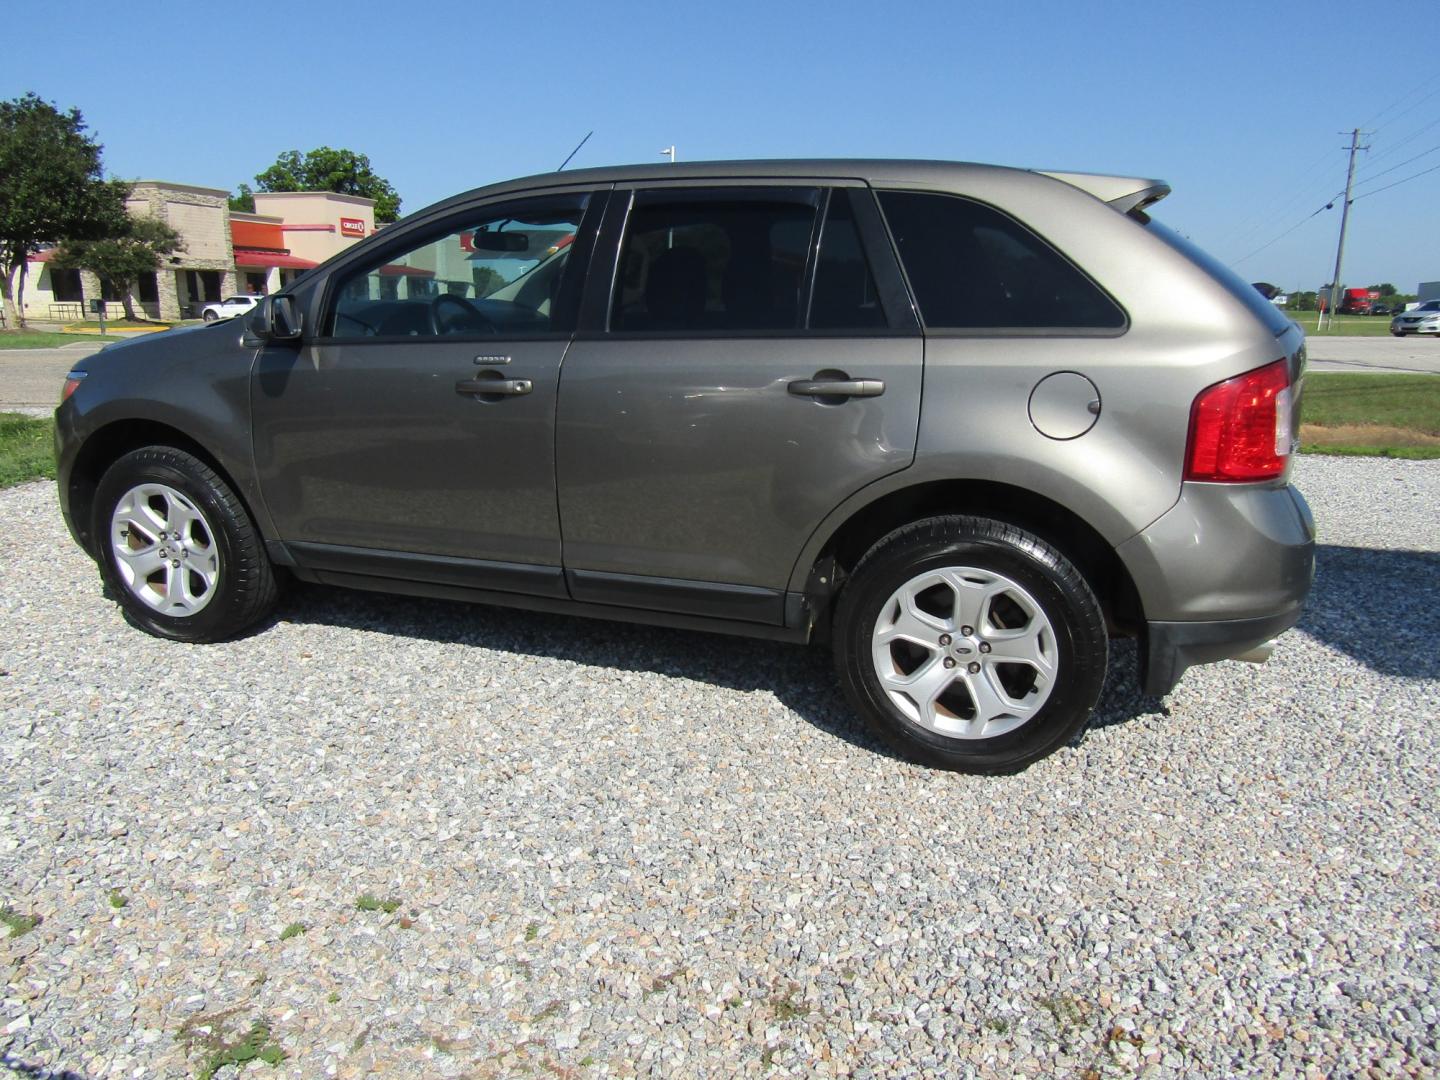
[
  {"x": 1344, "y": 221},
  {"x": 669, "y": 152}
]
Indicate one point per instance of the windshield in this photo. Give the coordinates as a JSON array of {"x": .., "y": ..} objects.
[
  {"x": 497, "y": 270},
  {"x": 1234, "y": 284}
]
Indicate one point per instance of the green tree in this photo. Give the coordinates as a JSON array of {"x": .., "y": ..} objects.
[
  {"x": 1386, "y": 290},
  {"x": 51, "y": 188},
  {"x": 323, "y": 169},
  {"x": 243, "y": 200},
  {"x": 487, "y": 280},
  {"x": 119, "y": 260}
]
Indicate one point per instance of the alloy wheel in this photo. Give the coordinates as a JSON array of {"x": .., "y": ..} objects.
[
  {"x": 165, "y": 550},
  {"x": 965, "y": 652}
]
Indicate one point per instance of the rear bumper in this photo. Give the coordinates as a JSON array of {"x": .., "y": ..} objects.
[
  {"x": 1226, "y": 569},
  {"x": 1168, "y": 648}
]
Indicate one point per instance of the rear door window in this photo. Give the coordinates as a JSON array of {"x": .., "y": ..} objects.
[
  {"x": 704, "y": 261},
  {"x": 974, "y": 268},
  {"x": 844, "y": 296}
]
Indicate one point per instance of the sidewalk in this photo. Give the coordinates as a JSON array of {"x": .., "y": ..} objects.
[{"x": 92, "y": 328}]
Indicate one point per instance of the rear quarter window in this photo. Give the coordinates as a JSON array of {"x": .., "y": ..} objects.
[{"x": 972, "y": 267}]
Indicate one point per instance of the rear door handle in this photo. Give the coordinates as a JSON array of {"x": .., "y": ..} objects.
[
  {"x": 512, "y": 387},
  {"x": 838, "y": 387}
]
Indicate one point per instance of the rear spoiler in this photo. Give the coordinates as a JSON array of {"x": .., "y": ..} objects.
[{"x": 1124, "y": 193}]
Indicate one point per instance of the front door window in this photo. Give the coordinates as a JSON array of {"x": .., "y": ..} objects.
[{"x": 500, "y": 273}]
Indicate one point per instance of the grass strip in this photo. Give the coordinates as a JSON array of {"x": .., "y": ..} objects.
[
  {"x": 1354, "y": 414},
  {"x": 35, "y": 339},
  {"x": 1342, "y": 325},
  {"x": 27, "y": 449}
]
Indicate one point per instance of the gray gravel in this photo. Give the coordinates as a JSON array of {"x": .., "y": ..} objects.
[{"x": 623, "y": 851}]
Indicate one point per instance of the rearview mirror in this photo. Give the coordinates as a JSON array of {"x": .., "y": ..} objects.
[
  {"x": 501, "y": 241},
  {"x": 274, "y": 319}
]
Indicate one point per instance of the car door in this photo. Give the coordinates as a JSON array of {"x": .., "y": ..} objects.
[
  {"x": 755, "y": 362},
  {"x": 413, "y": 436}
]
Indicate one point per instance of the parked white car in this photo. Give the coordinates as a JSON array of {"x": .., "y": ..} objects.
[
  {"x": 229, "y": 308},
  {"x": 1424, "y": 319}
]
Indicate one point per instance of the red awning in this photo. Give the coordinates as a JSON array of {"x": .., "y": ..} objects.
[
  {"x": 396, "y": 270},
  {"x": 272, "y": 258}
]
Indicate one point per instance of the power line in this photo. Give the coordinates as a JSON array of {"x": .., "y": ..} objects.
[
  {"x": 1421, "y": 86},
  {"x": 1330, "y": 204},
  {"x": 1300, "y": 191},
  {"x": 1408, "y": 139},
  {"x": 1402, "y": 164},
  {"x": 1286, "y": 233},
  {"x": 1251, "y": 225},
  {"x": 1397, "y": 183}
]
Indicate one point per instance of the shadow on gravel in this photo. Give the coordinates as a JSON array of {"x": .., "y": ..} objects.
[
  {"x": 1381, "y": 608},
  {"x": 1120, "y": 697},
  {"x": 801, "y": 677},
  {"x": 17, "y": 1067}
]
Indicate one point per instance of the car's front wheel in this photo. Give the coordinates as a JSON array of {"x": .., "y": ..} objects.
[
  {"x": 1398, "y": 333},
  {"x": 970, "y": 644},
  {"x": 210, "y": 316},
  {"x": 178, "y": 548}
]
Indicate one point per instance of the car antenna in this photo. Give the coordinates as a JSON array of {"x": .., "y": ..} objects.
[{"x": 581, "y": 143}]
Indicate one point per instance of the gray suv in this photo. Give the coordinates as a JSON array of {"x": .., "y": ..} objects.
[{"x": 963, "y": 423}]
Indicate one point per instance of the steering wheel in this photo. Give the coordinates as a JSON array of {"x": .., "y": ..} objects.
[{"x": 461, "y": 318}]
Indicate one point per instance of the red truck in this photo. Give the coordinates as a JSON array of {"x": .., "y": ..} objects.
[{"x": 1352, "y": 301}]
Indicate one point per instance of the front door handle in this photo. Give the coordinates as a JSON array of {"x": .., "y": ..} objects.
[
  {"x": 511, "y": 387},
  {"x": 838, "y": 387}
]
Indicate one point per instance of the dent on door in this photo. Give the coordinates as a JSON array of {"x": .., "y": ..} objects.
[{"x": 698, "y": 461}]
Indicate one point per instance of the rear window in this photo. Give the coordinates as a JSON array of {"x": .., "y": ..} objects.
[
  {"x": 973, "y": 268},
  {"x": 1275, "y": 319}
]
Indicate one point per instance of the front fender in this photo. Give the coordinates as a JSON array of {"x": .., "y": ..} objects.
[{"x": 195, "y": 383}]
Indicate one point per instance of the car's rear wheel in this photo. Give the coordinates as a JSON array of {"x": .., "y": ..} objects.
[
  {"x": 178, "y": 548},
  {"x": 970, "y": 644},
  {"x": 1398, "y": 333}
]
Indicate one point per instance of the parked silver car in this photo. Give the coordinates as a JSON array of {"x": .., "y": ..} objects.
[
  {"x": 964, "y": 423},
  {"x": 1424, "y": 319}
]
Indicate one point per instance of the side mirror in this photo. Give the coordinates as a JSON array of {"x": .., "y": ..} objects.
[{"x": 274, "y": 319}]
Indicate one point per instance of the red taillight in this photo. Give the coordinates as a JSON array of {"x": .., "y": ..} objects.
[
  {"x": 72, "y": 383},
  {"x": 1240, "y": 429}
]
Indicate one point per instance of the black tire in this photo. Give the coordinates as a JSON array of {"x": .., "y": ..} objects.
[
  {"x": 210, "y": 316},
  {"x": 1398, "y": 333},
  {"x": 1080, "y": 642},
  {"x": 244, "y": 590}
]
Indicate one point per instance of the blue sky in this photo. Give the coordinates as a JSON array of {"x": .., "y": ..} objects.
[{"x": 1238, "y": 105}]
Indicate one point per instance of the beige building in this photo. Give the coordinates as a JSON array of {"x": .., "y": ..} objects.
[
  {"x": 224, "y": 254},
  {"x": 204, "y": 270},
  {"x": 318, "y": 224}
]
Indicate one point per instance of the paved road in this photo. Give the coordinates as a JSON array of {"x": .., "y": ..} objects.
[
  {"x": 30, "y": 379},
  {"x": 1382, "y": 354}
]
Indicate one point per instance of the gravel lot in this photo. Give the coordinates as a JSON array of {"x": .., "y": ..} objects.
[{"x": 618, "y": 850}]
